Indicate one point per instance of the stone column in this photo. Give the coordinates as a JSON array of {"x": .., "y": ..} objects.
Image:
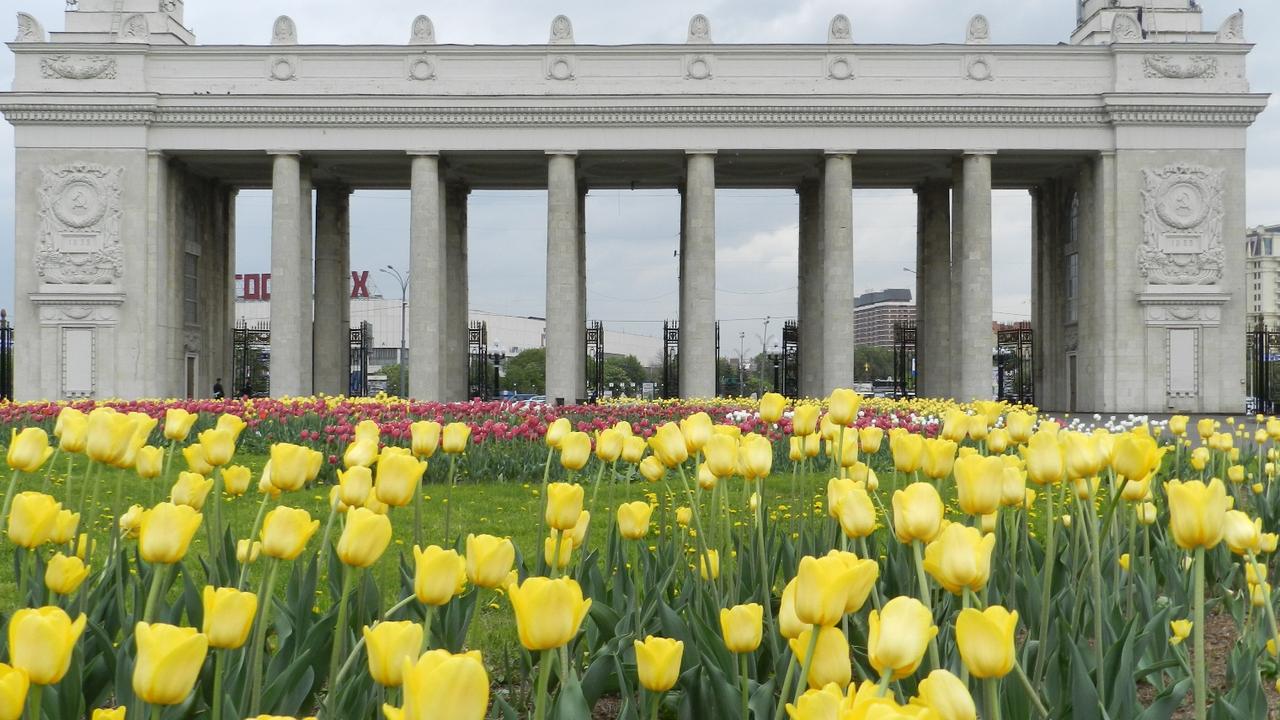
[
  {"x": 580, "y": 304},
  {"x": 566, "y": 350},
  {"x": 456, "y": 292},
  {"x": 837, "y": 272},
  {"x": 290, "y": 283},
  {"x": 164, "y": 260},
  {"x": 698, "y": 278},
  {"x": 306, "y": 271},
  {"x": 810, "y": 288},
  {"x": 933, "y": 295},
  {"x": 972, "y": 340},
  {"x": 333, "y": 294},
  {"x": 427, "y": 263}
]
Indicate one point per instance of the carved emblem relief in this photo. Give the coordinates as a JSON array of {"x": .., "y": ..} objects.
[
  {"x": 78, "y": 67},
  {"x": 1125, "y": 29},
  {"x": 699, "y": 29},
  {"x": 840, "y": 31},
  {"x": 29, "y": 29},
  {"x": 1165, "y": 66},
  {"x": 979, "y": 31},
  {"x": 840, "y": 67},
  {"x": 1232, "y": 30},
  {"x": 698, "y": 67},
  {"x": 979, "y": 67},
  {"x": 1182, "y": 211},
  {"x": 422, "y": 67},
  {"x": 561, "y": 31},
  {"x": 283, "y": 67},
  {"x": 284, "y": 32},
  {"x": 134, "y": 29},
  {"x": 80, "y": 225},
  {"x": 423, "y": 31},
  {"x": 561, "y": 67}
]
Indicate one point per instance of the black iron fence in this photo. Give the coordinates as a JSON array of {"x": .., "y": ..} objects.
[
  {"x": 904, "y": 359},
  {"x": 1015, "y": 379},
  {"x": 360, "y": 347},
  {"x": 1262, "y": 346},
  {"x": 478, "y": 375},
  {"x": 6, "y": 357},
  {"x": 595, "y": 360}
]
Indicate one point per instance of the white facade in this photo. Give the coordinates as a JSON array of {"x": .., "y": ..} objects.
[
  {"x": 1262, "y": 276},
  {"x": 132, "y": 141}
]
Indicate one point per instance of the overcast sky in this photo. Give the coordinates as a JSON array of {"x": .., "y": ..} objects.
[{"x": 632, "y": 235}]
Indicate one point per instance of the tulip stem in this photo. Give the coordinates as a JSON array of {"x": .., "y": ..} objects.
[
  {"x": 34, "y": 700},
  {"x": 807, "y": 663},
  {"x": 417, "y": 513},
  {"x": 156, "y": 712},
  {"x": 544, "y": 676},
  {"x": 1099, "y": 650},
  {"x": 786, "y": 689},
  {"x": 991, "y": 693},
  {"x": 655, "y": 706},
  {"x": 924, "y": 598},
  {"x": 153, "y": 596},
  {"x": 339, "y": 638},
  {"x": 1197, "y": 630},
  {"x": 215, "y": 546},
  {"x": 766, "y": 577},
  {"x": 542, "y": 516},
  {"x": 428, "y": 616},
  {"x": 448, "y": 498},
  {"x": 701, "y": 538},
  {"x": 1046, "y": 593},
  {"x": 257, "y": 523},
  {"x": 8, "y": 496},
  {"x": 260, "y": 634},
  {"x": 882, "y": 687},
  {"x": 1271, "y": 613},
  {"x": 746, "y": 687},
  {"x": 219, "y": 659},
  {"x": 1031, "y": 691}
]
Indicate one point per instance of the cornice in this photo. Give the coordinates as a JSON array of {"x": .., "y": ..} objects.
[{"x": 27, "y": 113}]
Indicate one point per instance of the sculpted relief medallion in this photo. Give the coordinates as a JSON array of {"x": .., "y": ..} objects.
[
  {"x": 78, "y": 67},
  {"x": 80, "y": 225},
  {"x": 1182, "y": 211}
]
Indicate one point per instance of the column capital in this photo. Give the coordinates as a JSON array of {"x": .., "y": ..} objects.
[
  {"x": 701, "y": 151},
  {"x": 422, "y": 153},
  {"x": 287, "y": 153},
  {"x": 839, "y": 153},
  {"x": 978, "y": 153},
  {"x": 569, "y": 153}
]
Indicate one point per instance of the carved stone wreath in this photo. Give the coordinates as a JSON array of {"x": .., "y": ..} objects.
[
  {"x": 80, "y": 225},
  {"x": 1182, "y": 212},
  {"x": 78, "y": 67},
  {"x": 1165, "y": 66}
]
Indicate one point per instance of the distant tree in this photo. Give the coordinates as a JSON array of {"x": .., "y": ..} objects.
[
  {"x": 395, "y": 385},
  {"x": 527, "y": 372},
  {"x": 872, "y": 363}
]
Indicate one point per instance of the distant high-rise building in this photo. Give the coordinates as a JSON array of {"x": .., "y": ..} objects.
[
  {"x": 1263, "y": 276},
  {"x": 875, "y": 314}
]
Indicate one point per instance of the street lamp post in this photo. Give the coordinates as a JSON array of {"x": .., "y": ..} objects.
[
  {"x": 403, "y": 279},
  {"x": 742, "y": 354}
]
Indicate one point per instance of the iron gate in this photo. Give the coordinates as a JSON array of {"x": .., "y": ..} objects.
[
  {"x": 595, "y": 361},
  {"x": 1263, "y": 376},
  {"x": 6, "y": 357},
  {"x": 904, "y": 359},
  {"x": 790, "y": 381},
  {"x": 478, "y": 375},
  {"x": 1015, "y": 380},
  {"x": 251, "y": 359},
  {"x": 671, "y": 359},
  {"x": 360, "y": 346}
]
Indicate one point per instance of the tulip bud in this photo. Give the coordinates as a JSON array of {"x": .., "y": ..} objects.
[
  {"x": 440, "y": 684},
  {"x": 709, "y": 565},
  {"x": 609, "y": 445},
  {"x": 165, "y": 532},
  {"x": 218, "y": 445},
  {"x": 191, "y": 490},
  {"x": 772, "y": 405},
  {"x": 557, "y": 430},
  {"x": 1181, "y": 629},
  {"x": 392, "y": 647},
  {"x": 489, "y": 560},
  {"x": 228, "y": 616},
  {"x": 455, "y": 437},
  {"x": 1197, "y": 512},
  {"x": 742, "y": 627},
  {"x": 168, "y": 663},
  {"x": 898, "y": 636},
  {"x": 32, "y": 518},
  {"x": 548, "y": 612},
  {"x": 633, "y": 519},
  {"x": 946, "y": 695},
  {"x": 830, "y": 662},
  {"x": 917, "y": 513},
  {"x": 652, "y": 469},
  {"x": 286, "y": 531},
  {"x": 41, "y": 641},
  {"x": 65, "y": 574},
  {"x": 247, "y": 552},
  {"x": 564, "y": 505},
  {"x": 960, "y": 558},
  {"x": 551, "y": 545},
  {"x": 14, "y": 686},
  {"x": 842, "y": 406},
  {"x": 684, "y": 516},
  {"x": 365, "y": 537},
  {"x": 658, "y": 662},
  {"x": 64, "y": 528},
  {"x": 575, "y": 451},
  {"x": 28, "y": 450},
  {"x": 438, "y": 576},
  {"x": 178, "y": 423},
  {"x": 399, "y": 478}
]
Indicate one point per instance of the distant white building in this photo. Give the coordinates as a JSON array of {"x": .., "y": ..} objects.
[{"x": 1263, "y": 275}]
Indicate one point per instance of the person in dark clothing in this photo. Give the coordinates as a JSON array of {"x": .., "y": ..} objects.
[{"x": 217, "y": 389}]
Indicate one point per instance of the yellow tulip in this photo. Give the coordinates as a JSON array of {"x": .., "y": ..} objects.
[
  {"x": 821, "y": 704},
  {"x": 247, "y": 552},
  {"x": 609, "y": 444},
  {"x": 84, "y": 546},
  {"x": 1242, "y": 533},
  {"x": 696, "y": 430},
  {"x": 1197, "y": 512},
  {"x": 789, "y": 626},
  {"x": 684, "y": 516},
  {"x": 367, "y": 430},
  {"x": 742, "y": 627},
  {"x": 235, "y": 480},
  {"x": 71, "y": 429},
  {"x": 987, "y": 523},
  {"x": 194, "y": 456},
  {"x": 1206, "y": 427},
  {"x": 1046, "y": 461},
  {"x": 633, "y": 448},
  {"x": 168, "y": 663},
  {"x": 1135, "y": 456},
  {"x": 633, "y": 519},
  {"x": 64, "y": 528},
  {"x": 1083, "y": 458},
  {"x": 1123, "y": 561},
  {"x": 1259, "y": 594},
  {"x": 165, "y": 532},
  {"x": 669, "y": 446},
  {"x": 365, "y": 537},
  {"x": 1199, "y": 458},
  {"x": 1013, "y": 485},
  {"x": 443, "y": 685},
  {"x": 191, "y": 490},
  {"x": 363, "y": 453},
  {"x": 1020, "y": 425},
  {"x": 399, "y": 478},
  {"x": 917, "y": 513},
  {"x": 1235, "y": 474},
  {"x": 219, "y": 446},
  {"x": 795, "y": 448},
  {"x": 869, "y": 439},
  {"x": 41, "y": 641},
  {"x": 13, "y": 693},
  {"x": 946, "y": 695},
  {"x": 575, "y": 451},
  {"x": 998, "y": 440},
  {"x": 178, "y": 423},
  {"x": 979, "y": 484},
  {"x": 709, "y": 565},
  {"x": 231, "y": 423},
  {"x": 960, "y": 558},
  {"x": 549, "y": 549},
  {"x": 564, "y": 505},
  {"x": 1181, "y": 630},
  {"x": 289, "y": 466},
  {"x": 439, "y": 575},
  {"x": 822, "y": 587},
  {"x": 1269, "y": 541},
  {"x": 837, "y": 489},
  {"x": 985, "y": 639},
  {"x": 228, "y": 616},
  {"x": 109, "y": 435},
  {"x": 908, "y": 451},
  {"x": 286, "y": 531},
  {"x": 865, "y": 573},
  {"x": 424, "y": 437},
  {"x": 955, "y": 425},
  {"x": 772, "y": 405},
  {"x": 899, "y": 635},
  {"x": 28, "y": 450},
  {"x": 830, "y": 663},
  {"x": 856, "y": 513},
  {"x": 131, "y": 521},
  {"x": 557, "y": 430},
  {"x": 658, "y": 662},
  {"x": 149, "y": 462},
  {"x": 804, "y": 421},
  {"x": 842, "y": 406},
  {"x": 64, "y": 574},
  {"x": 548, "y": 612},
  {"x": 652, "y": 469},
  {"x": 1146, "y": 513},
  {"x": 489, "y": 560},
  {"x": 1178, "y": 425},
  {"x": 721, "y": 454},
  {"x": 454, "y": 438},
  {"x": 392, "y": 647},
  {"x": 756, "y": 457}
]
